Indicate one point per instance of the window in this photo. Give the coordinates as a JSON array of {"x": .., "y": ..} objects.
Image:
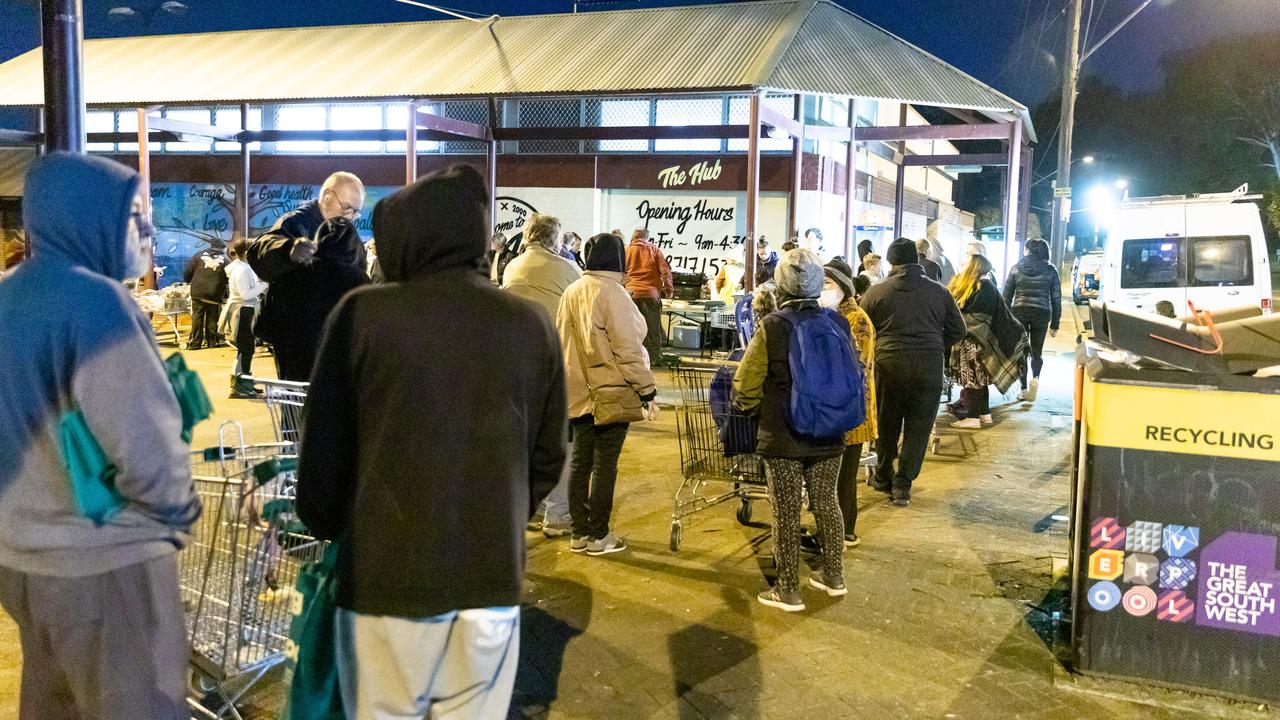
[
  {"x": 689, "y": 111},
  {"x": 355, "y": 117},
  {"x": 229, "y": 117},
  {"x": 549, "y": 113},
  {"x": 127, "y": 122},
  {"x": 1221, "y": 261},
  {"x": 301, "y": 117},
  {"x": 398, "y": 119},
  {"x": 472, "y": 111},
  {"x": 192, "y": 115},
  {"x": 100, "y": 121},
  {"x": 740, "y": 114},
  {"x": 1152, "y": 263},
  {"x": 624, "y": 113}
]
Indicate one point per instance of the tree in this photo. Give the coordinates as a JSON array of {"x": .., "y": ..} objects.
[{"x": 1259, "y": 119}]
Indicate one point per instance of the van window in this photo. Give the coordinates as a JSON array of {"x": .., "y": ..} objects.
[
  {"x": 1221, "y": 261},
  {"x": 1151, "y": 263}
]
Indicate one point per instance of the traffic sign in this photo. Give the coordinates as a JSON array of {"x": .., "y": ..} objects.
[{"x": 1062, "y": 191}]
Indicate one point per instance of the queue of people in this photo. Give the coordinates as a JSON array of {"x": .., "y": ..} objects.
[{"x": 428, "y": 603}]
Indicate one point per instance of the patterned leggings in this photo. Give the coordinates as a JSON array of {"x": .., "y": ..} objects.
[{"x": 787, "y": 479}]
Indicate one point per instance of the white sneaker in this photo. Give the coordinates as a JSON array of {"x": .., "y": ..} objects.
[
  {"x": 986, "y": 419},
  {"x": 606, "y": 545},
  {"x": 1029, "y": 395},
  {"x": 967, "y": 424}
]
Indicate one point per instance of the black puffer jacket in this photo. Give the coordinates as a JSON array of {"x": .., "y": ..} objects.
[
  {"x": 1035, "y": 289},
  {"x": 912, "y": 314}
]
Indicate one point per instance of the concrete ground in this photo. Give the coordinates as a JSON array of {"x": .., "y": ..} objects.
[{"x": 948, "y": 614}]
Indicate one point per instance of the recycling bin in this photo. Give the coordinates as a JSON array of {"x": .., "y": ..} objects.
[{"x": 1176, "y": 519}]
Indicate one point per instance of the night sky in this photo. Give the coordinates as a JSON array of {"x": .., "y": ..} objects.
[{"x": 1010, "y": 44}]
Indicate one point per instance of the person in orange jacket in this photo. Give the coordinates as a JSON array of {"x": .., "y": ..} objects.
[{"x": 649, "y": 280}]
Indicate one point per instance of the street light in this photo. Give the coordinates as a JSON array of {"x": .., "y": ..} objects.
[
  {"x": 1087, "y": 159},
  {"x": 1121, "y": 184}
]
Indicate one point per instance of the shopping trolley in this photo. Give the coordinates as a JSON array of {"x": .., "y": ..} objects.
[
  {"x": 239, "y": 570},
  {"x": 284, "y": 400},
  {"x": 704, "y": 432}
]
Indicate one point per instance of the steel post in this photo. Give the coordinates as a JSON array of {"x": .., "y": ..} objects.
[{"x": 61, "y": 25}]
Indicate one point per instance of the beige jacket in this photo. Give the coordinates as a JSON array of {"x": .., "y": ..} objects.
[
  {"x": 541, "y": 276},
  {"x": 601, "y": 311}
]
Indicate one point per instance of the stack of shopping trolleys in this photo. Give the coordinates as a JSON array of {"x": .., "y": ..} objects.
[{"x": 239, "y": 570}]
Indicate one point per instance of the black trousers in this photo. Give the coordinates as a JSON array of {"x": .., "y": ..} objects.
[
  {"x": 244, "y": 342},
  {"x": 1037, "y": 325},
  {"x": 593, "y": 473},
  {"x": 294, "y": 362},
  {"x": 847, "y": 487},
  {"x": 204, "y": 324},
  {"x": 976, "y": 401},
  {"x": 907, "y": 391},
  {"x": 651, "y": 311}
]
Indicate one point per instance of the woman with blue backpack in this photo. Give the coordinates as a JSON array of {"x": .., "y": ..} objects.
[{"x": 799, "y": 375}]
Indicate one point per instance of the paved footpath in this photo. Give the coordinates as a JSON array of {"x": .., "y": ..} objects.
[{"x": 946, "y": 615}]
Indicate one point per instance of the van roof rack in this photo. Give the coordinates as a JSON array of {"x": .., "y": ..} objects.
[{"x": 1237, "y": 195}]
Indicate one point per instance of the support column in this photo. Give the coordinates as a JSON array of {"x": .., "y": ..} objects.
[
  {"x": 1024, "y": 198},
  {"x": 491, "y": 174},
  {"x": 753, "y": 191},
  {"x": 411, "y": 144},
  {"x": 900, "y": 187},
  {"x": 62, "y": 31},
  {"x": 851, "y": 180},
  {"x": 797, "y": 170},
  {"x": 1013, "y": 232},
  {"x": 144, "y": 189},
  {"x": 242, "y": 206}
]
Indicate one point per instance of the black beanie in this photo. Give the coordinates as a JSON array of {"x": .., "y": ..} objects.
[
  {"x": 902, "y": 252},
  {"x": 605, "y": 252}
]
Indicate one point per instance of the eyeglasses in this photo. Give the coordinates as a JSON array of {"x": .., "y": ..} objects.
[{"x": 349, "y": 211}]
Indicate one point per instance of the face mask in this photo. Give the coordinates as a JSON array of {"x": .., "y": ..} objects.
[{"x": 831, "y": 298}]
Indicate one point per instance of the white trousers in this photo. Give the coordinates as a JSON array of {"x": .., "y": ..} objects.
[{"x": 457, "y": 666}]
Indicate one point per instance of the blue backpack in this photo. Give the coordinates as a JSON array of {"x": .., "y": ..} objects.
[{"x": 828, "y": 392}]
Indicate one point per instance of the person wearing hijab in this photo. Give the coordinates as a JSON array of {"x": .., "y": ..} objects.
[
  {"x": 762, "y": 385},
  {"x": 602, "y": 335},
  {"x": 96, "y": 601},
  {"x": 304, "y": 289},
  {"x": 427, "y": 446}
]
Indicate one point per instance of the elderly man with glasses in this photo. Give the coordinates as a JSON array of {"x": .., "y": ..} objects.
[{"x": 310, "y": 259}]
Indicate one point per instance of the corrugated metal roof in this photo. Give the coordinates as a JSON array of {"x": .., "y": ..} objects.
[
  {"x": 13, "y": 170},
  {"x": 838, "y": 53},
  {"x": 786, "y": 44}
]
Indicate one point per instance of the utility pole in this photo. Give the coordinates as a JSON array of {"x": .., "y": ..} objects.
[{"x": 1070, "y": 73}]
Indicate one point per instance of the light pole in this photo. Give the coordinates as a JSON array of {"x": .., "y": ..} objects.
[{"x": 1070, "y": 74}]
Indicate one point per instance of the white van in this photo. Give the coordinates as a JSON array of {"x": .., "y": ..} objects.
[{"x": 1206, "y": 248}]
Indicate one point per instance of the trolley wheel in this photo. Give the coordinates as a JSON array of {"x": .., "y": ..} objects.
[
  {"x": 744, "y": 512},
  {"x": 677, "y": 529},
  {"x": 201, "y": 684}
]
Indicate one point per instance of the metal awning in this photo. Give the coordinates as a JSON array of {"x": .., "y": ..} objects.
[{"x": 802, "y": 46}]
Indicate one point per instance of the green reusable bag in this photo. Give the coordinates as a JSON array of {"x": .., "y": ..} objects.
[
  {"x": 93, "y": 475},
  {"x": 311, "y": 664},
  {"x": 189, "y": 391}
]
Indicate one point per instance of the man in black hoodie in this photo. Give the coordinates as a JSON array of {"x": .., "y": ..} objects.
[
  {"x": 916, "y": 320},
  {"x": 427, "y": 444}
]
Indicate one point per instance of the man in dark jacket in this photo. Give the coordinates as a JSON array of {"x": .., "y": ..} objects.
[
  {"x": 208, "y": 282},
  {"x": 932, "y": 270},
  {"x": 310, "y": 259},
  {"x": 427, "y": 445},
  {"x": 1034, "y": 294},
  {"x": 916, "y": 320}
]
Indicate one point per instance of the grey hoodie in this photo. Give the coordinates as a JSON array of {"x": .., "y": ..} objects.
[{"x": 71, "y": 336}]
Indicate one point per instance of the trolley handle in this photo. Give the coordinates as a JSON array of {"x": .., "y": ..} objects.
[{"x": 266, "y": 471}]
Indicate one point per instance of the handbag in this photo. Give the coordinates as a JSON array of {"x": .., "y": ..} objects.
[
  {"x": 92, "y": 474},
  {"x": 612, "y": 404},
  {"x": 311, "y": 667}
]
